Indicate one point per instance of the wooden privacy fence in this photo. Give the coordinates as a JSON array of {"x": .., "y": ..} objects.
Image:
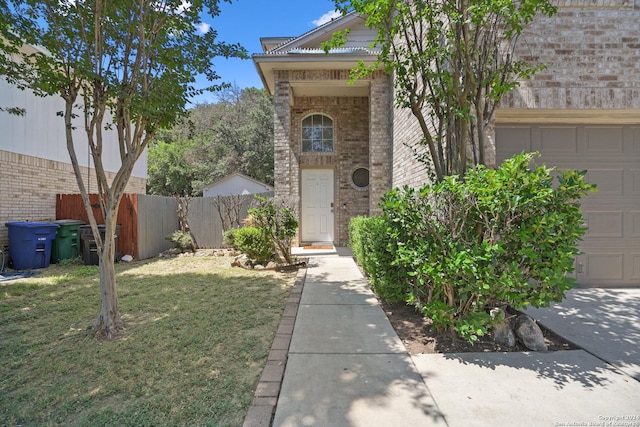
[
  {"x": 146, "y": 220},
  {"x": 70, "y": 206}
]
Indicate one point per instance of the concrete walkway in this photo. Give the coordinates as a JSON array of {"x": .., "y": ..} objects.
[{"x": 347, "y": 367}]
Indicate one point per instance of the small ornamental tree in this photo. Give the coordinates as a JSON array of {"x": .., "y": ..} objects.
[
  {"x": 278, "y": 217},
  {"x": 452, "y": 61},
  {"x": 121, "y": 65}
]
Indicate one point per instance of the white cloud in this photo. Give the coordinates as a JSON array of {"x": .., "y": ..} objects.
[
  {"x": 203, "y": 27},
  {"x": 326, "y": 18},
  {"x": 184, "y": 6}
]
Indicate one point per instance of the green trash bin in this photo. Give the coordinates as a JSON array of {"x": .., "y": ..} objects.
[{"x": 67, "y": 242}]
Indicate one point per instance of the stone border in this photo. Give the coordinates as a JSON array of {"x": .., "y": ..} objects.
[{"x": 265, "y": 398}]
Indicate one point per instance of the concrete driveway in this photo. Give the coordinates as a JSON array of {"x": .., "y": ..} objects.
[{"x": 604, "y": 322}]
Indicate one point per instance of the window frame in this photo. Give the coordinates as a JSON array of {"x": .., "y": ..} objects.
[{"x": 317, "y": 145}]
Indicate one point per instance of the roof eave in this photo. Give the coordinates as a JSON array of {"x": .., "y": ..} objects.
[{"x": 266, "y": 63}]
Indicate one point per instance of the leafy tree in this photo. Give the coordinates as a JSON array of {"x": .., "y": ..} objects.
[
  {"x": 232, "y": 135},
  {"x": 452, "y": 61},
  {"x": 168, "y": 171},
  {"x": 124, "y": 65}
]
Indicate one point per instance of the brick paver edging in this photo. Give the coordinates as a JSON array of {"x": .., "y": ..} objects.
[{"x": 265, "y": 399}]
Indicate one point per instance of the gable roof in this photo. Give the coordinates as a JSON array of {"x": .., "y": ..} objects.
[
  {"x": 313, "y": 39},
  {"x": 305, "y": 53},
  {"x": 237, "y": 175}
]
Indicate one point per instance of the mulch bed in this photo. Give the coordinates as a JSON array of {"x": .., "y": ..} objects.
[{"x": 417, "y": 335}]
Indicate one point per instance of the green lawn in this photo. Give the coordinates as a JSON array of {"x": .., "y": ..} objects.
[{"x": 197, "y": 337}]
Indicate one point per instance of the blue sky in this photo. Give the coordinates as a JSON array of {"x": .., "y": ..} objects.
[{"x": 245, "y": 21}]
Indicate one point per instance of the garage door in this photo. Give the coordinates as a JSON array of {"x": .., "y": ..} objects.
[{"x": 611, "y": 154}]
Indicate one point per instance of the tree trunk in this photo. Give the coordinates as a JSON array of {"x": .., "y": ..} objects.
[
  {"x": 183, "y": 218},
  {"x": 108, "y": 324}
]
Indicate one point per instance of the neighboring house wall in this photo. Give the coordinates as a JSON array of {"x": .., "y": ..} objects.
[{"x": 35, "y": 163}]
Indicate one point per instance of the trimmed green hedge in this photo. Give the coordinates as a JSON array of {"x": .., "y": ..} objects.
[{"x": 369, "y": 240}]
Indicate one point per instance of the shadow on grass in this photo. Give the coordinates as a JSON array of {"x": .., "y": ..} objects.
[{"x": 192, "y": 353}]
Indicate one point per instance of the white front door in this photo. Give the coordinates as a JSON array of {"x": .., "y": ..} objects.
[{"x": 317, "y": 205}]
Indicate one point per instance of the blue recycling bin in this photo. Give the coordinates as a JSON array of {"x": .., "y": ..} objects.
[{"x": 30, "y": 243}]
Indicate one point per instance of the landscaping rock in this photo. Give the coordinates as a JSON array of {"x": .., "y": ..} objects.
[
  {"x": 272, "y": 265},
  {"x": 240, "y": 261},
  {"x": 258, "y": 267},
  {"x": 126, "y": 258},
  {"x": 170, "y": 253},
  {"x": 503, "y": 334},
  {"x": 529, "y": 333}
]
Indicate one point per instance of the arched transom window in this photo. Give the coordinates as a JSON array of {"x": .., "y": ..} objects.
[{"x": 317, "y": 134}]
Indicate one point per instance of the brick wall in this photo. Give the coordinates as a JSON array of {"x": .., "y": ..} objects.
[
  {"x": 351, "y": 151},
  {"x": 282, "y": 153},
  {"x": 406, "y": 134},
  {"x": 380, "y": 142},
  {"x": 28, "y": 186},
  {"x": 351, "y": 116},
  {"x": 592, "y": 56}
]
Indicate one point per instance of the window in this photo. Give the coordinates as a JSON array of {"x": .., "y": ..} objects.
[
  {"x": 360, "y": 177},
  {"x": 317, "y": 134}
]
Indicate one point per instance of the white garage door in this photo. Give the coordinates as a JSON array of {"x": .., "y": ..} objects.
[{"x": 611, "y": 154}]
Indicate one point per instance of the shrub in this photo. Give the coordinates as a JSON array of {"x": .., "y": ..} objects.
[
  {"x": 357, "y": 229},
  {"x": 493, "y": 238},
  {"x": 369, "y": 240},
  {"x": 181, "y": 239},
  {"x": 229, "y": 237},
  {"x": 278, "y": 218},
  {"x": 255, "y": 242}
]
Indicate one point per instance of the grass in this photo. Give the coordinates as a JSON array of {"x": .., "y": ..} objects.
[{"x": 197, "y": 337}]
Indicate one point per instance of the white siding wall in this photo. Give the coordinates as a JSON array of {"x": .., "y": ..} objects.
[
  {"x": 40, "y": 132},
  {"x": 360, "y": 37}
]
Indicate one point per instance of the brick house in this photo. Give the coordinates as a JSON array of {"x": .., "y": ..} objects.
[
  {"x": 34, "y": 161},
  {"x": 339, "y": 147}
]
